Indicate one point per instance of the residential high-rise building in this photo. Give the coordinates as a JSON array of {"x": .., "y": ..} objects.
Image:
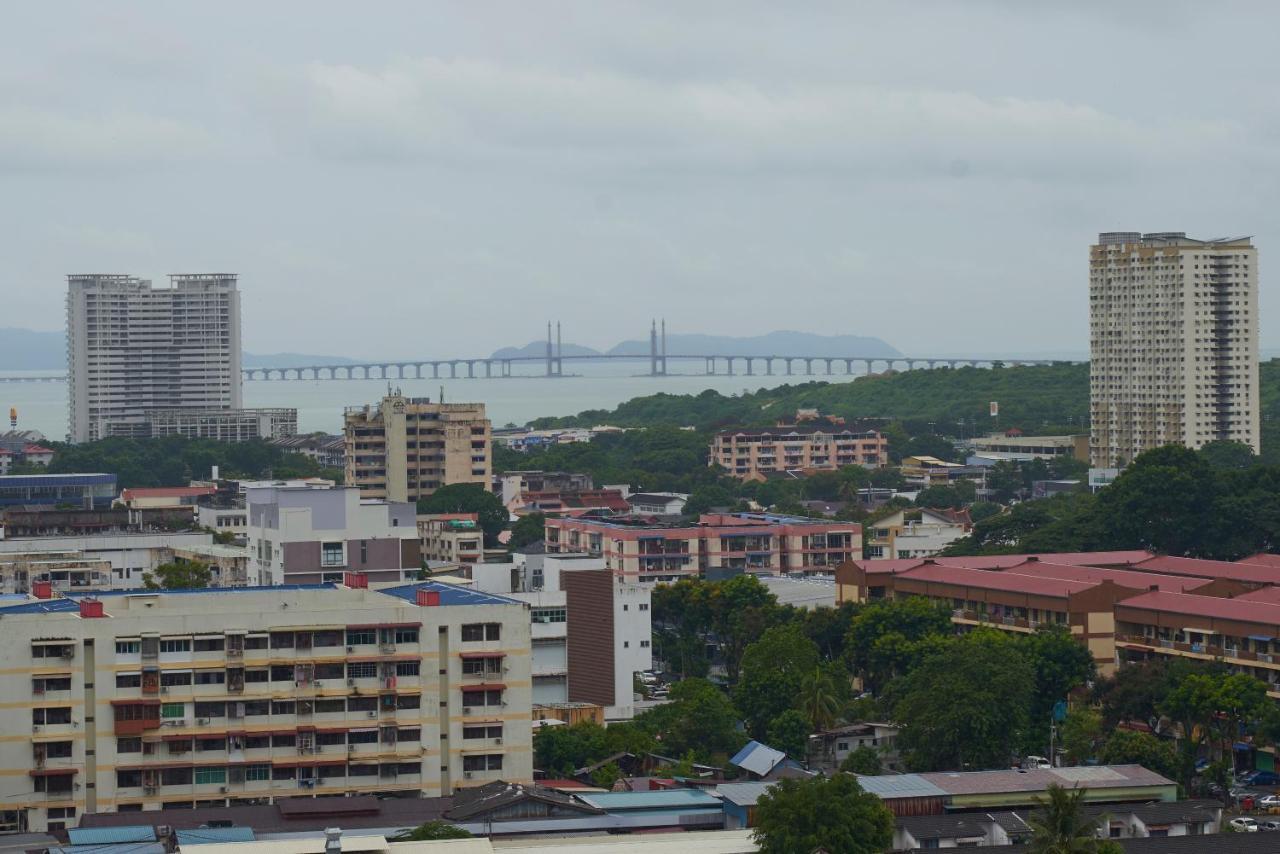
[
  {"x": 132, "y": 348},
  {"x": 405, "y": 448},
  {"x": 167, "y": 700},
  {"x": 1173, "y": 335}
]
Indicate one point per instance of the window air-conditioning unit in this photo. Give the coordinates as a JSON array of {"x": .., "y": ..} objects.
[
  {"x": 351, "y": 748},
  {"x": 467, "y": 774},
  {"x": 202, "y": 721},
  {"x": 373, "y": 714},
  {"x": 466, "y": 710},
  {"x": 222, "y": 789},
  {"x": 351, "y": 682},
  {"x": 36, "y": 727},
  {"x": 498, "y": 740},
  {"x": 351, "y": 649}
]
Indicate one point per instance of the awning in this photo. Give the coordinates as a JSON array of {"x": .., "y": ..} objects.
[
  {"x": 387, "y": 626},
  {"x": 52, "y": 772},
  {"x": 484, "y": 686},
  {"x": 482, "y": 655},
  {"x": 176, "y": 737}
]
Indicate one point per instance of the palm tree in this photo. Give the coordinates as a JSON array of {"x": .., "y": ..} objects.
[
  {"x": 1060, "y": 826},
  {"x": 820, "y": 699}
]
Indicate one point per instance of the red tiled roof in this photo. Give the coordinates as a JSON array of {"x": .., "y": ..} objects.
[
  {"x": 1262, "y": 594},
  {"x": 1114, "y": 558},
  {"x": 36, "y": 449},
  {"x": 980, "y": 561},
  {"x": 1123, "y": 577},
  {"x": 1212, "y": 569},
  {"x": 1008, "y": 581},
  {"x": 888, "y": 567},
  {"x": 1262, "y": 558},
  {"x": 1240, "y": 609},
  {"x": 166, "y": 492}
]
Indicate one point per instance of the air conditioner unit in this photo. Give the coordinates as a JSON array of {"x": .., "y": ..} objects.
[
  {"x": 68, "y": 655},
  {"x": 316, "y": 683},
  {"x": 373, "y": 714},
  {"x": 467, "y": 774},
  {"x": 351, "y": 682},
  {"x": 498, "y": 740},
  {"x": 36, "y": 727},
  {"x": 351, "y": 748},
  {"x": 164, "y": 690},
  {"x": 202, "y": 721},
  {"x": 351, "y": 649},
  {"x": 222, "y": 789}
]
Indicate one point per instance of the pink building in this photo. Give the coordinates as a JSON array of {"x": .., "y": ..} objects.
[
  {"x": 639, "y": 549},
  {"x": 754, "y": 453}
]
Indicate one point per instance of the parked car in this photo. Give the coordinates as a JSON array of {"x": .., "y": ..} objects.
[
  {"x": 1269, "y": 802},
  {"x": 1244, "y": 824},
  {"x": 1036, "y": 762},
  {"x": 1263, "y": 778},
  {"x": 1269, "y": 825}
]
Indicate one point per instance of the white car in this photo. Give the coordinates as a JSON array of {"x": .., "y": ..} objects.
[
  {"x": 1269, "y": 801},
  {"x": 1244, "y": 824}
]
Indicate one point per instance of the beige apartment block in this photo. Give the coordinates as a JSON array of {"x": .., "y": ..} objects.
[
  {"x": 132, "y": 348},
  {"x": 148, "y": 701},
  {"x": 754, "y": 453},
  {"x": 405, "y": 448},
  {"x": 1173, "y": 334}
]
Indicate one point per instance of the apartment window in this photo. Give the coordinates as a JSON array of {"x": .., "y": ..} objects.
[
  {"x": 366, "y": 736},
  {"x": 482, "y": 698},
  {"x": 644, "y": 606},
  {"x": 549, "y": 615},
  {"x": 356, "y": 637},
  {"x": 644, "y": 644},
  {"x": 362, "y": 669},
  {"x": 257, "y": 772},
  {"x": 128, "y": 680},
  {"x": 209, "y": 644},
  {"x": 175, "y": 644},
  {"x": 409, "y": 734},
  {"x": 60, "y": 715},
  {"x": 173, "y": 710},
  {"x": 210, "y": 677},
  {"x": 482, "y": 631},
  {"x": 130, "y": 647},
  {"x": 172, "y": 678},
  {"x": 331, "y": 554},
  {"x": 406, "y": 636},
  {"x": 483, "y": 762},
  {"x": 478, "y": 666},
  {"x": 128, "y": 745},
  {"x": 364, "y": 551},
  {"x": 474, "y": 732}
]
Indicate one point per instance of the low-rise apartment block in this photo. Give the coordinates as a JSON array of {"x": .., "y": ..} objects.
[
  {"x": 306, "y": 536},
  {"x": 130, "y": 554},
  {"x": 222, "y": 425},
  {"x": 1005, "y": 446},
  {"x": 755, "y": 453},
  {"x": 217, "y": 698},
  {"x": 639, "y": 549},
  {"x": 405, "y": 448},
  {"x": 452, "y": 537},
  {"x": 65, "y": 571},
  {"x": 915, "y": 532}
]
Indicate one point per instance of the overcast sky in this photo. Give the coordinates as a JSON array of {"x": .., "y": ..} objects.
[{"x": 431, "y": 179}]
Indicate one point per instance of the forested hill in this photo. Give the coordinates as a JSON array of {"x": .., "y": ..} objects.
[
  {"x": 1029, "y": 397},
  {"x": 957, "y": 401}
]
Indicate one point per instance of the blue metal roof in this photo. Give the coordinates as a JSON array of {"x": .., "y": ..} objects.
[
  {"x": 42, "y": 606},
  {"x": 204, "y": 835},
  {"x": 450, "y": 594},
  {"x": 109, "y": 835},
  {"x": 94, "y": 479},
  {"x": 111, "y": 848},
  {"x": 137, "y": 591},
  {"x": 653, "y": 800},
  {"x": 900, "y": 786},
  {"x": 757, "y": 758}
]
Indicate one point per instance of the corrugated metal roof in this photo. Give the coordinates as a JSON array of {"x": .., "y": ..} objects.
[
  {"x": 105, "y": 835},
  {"x": 1254, "y": 572},
  {"x": 657, "y": 799},
  {"x": 743, "y": 794},
  {"x": 206, "y": 835},
  {"x": 1039, "y": 779},
  {"x": 1242, "y": 609},
  {"x": 1009, "y": 580},
  {"x": 889, "y": 786},
  {"x": 450, "y": 594},
  {"x": 112, "y": 848},
  {"x": 757, "y": 758}
]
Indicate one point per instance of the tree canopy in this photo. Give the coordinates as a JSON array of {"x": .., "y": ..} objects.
[
  {"x": 178, "y": 575},
  {"x": 469, "y": 498},
  {"x": 822, "y": 813}
]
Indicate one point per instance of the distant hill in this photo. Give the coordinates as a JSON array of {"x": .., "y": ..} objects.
[
  {"x": 772, "y": 344},
  {"x": 28, "y": 350},
  {"x": 539, "y": 349}
]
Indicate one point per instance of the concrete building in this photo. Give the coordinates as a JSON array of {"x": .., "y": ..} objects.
[
  {"x": 1173, "y": 341},
  {"x": 754, "y": 453},
  {"x": 452, "y": 537},
  {"x": 639, "y": 549},
  {"x": 129, "y": 554},
  {"x": 305, "y": 536},
  {"x": 1002, "y": 446},
  {"x": 85, "y": 491},
  {"x": 215, "y": 698},
  {"x": 325, "y": 449},
  {"x": 829, "y": 748},
  {"x": 403, "y": 449},
  {"x": 223, "y": 425},
  {"x": 133, "y": 348},
  {"x": 66, "y": 571},
  {"x": 165, "y": 497},
  {"x": 657, "y": 503},
  {"x": 915, "y": 532},
  {"x": 588, "y": 639},
  {"x": 228, "y": 565}
]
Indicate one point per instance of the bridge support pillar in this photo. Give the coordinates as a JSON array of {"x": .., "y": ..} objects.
[{"x": 750, "y": 366}]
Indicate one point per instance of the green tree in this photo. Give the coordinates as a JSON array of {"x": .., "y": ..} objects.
[
  {"x": 1130, "y": 747},
  {"x": 1061, "y": 826},
  {"x": 863, "y": 760},
  {"x": 699, "y": 718},
  {"x": 178, "y": 575},
  {"x": 432, "y": 830},
  {"x": 606, "y": 775},
  {"x": 888, "y": 638},
  {"x": 789, "y": 732},
  {"x": 829, "y": 814},
  {"x": 526, "y": 530},
  {"x": 1081, "y": 735},
  {"x": 741, "y": 608},
  {"x": 1061, "y": 664},
  {"x": 965, "y": 707},
  {"x": 822, "y": 694},
  {"x": 469, "y": 498},
  {"x": 774, "y": 670},
  {"x": 1224, "y": 454}
]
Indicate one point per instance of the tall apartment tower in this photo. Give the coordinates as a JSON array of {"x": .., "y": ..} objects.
[
  {"x": 1173, "y": 341},
  {"x": 405, "y": 448},
  {"x": 133, "y": 348}
]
